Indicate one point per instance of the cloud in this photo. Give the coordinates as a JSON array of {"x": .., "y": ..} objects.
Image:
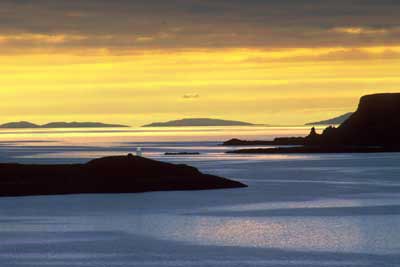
[
  {"x": 191, "y": 96},
  {"x": 41, "y": 38},
  {"x": 197, "y": 24},
  {"x": 360, "y": 30}
]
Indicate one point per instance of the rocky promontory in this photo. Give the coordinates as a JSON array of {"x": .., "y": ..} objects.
[
  {"x": 120, "y": 174},
  {"x": 374, "y": 127},
  {"x": 375, "y": 123}
]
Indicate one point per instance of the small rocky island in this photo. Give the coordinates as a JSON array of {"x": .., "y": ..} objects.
[
  {"x": 119, "y": 174},
  {"x": 374, "y": 127}
]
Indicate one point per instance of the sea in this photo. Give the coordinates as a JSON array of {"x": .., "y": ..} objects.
[{"x": 332, "y": 210}]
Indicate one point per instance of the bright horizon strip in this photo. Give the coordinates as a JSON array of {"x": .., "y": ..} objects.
[{"x": 274, "y": 86}]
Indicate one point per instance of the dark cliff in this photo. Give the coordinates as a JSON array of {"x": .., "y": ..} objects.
[
  {"x": 373, "y": 128},
  {"x": 375, "y": 123}
]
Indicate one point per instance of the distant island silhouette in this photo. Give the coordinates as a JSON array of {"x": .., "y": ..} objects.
[
  {"x": 333, "y": 121},
  {"x": 118, "y": 174},
  {"x": 29, "y": 125},
  {"x": 374, "y": 127},
  {"x": 198, "y": 122}
]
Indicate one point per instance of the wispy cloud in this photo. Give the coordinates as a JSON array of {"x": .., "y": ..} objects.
[
  {"x": 360, "y": 30},
  {"x": 191, "y": 96},
  {"x": 41, "y": 38}
]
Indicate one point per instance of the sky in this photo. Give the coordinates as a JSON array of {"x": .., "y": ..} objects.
[{"x": 283, "y": 62}]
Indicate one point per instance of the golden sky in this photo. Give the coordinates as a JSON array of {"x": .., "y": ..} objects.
[{"x": 133, "y": 63}]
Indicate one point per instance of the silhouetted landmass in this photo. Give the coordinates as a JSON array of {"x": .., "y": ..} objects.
[
  {"x": 314, "y": 149},
  {"x": 21, "y": 124},
  {"x": 333, "y": 121},
  {"x": 80, "y": 125},
  {"x": 120, "y": 174},
  {"x": 281, "y": 141},
  {"x": 27, "y": 125},
  {"x": 198, "y": 122},
  {"x": 375, "y": 123},
  {"x": 181, "y": 153},
  {"x": 374, "y": 127}
]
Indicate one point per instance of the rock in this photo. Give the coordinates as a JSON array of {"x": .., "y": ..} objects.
[{"x": 121, "y": 174}]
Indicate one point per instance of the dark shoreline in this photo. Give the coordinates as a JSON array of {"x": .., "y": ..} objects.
[
  {"x": 280, "y": 141},
  {"x": 314, "y": 150}
]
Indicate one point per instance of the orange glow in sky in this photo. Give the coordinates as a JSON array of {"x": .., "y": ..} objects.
[{"x": 269, "y": 63}]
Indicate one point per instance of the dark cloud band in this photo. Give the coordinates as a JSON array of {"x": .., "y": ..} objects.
[{"x": 160, "y": 24}]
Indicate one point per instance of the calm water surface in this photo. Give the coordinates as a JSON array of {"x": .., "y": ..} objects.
[{"x": 299, "y": 210}]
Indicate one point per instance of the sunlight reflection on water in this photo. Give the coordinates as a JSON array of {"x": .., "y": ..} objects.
[
  {"x": 295, "y": 233},
  {"x": 99, "y": 135},
  {"x": 161, "y": 156}
]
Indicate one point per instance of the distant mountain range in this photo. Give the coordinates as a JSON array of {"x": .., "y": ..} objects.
[
  {"x": 198, "y": 122},
  {"x": 27, "y": 125},
  {"x": 333, "y": 121}
]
